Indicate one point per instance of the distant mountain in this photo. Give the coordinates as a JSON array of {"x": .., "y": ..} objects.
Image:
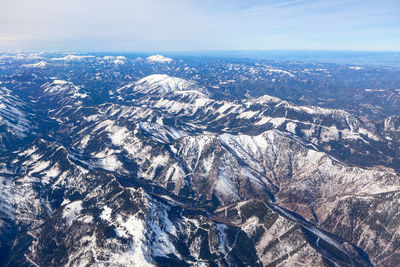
[{"x": 159, "y": 59}]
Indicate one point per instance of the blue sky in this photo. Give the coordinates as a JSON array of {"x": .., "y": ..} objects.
[{"x": 176, "y": 25}]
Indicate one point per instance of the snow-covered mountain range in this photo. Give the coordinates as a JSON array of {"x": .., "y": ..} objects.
[{"x": 108, "y": 160}]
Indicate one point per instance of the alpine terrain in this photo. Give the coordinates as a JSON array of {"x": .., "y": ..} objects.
[{"x": 149, "y": 160}]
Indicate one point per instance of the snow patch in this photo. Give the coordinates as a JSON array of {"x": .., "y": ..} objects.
[
  {"x": 72, "y": 210},
  {"x": 111, "y": 163},
  {"x": 291, "y": 127},
  {"x": 106, "y": 214}
]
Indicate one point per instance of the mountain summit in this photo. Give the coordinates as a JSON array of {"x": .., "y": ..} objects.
[{"x": 159, "y": 59}]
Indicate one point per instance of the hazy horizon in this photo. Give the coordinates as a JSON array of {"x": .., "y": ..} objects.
[
  {"x": 378, "y": 58},
  {"x": 184, "y": 51}
]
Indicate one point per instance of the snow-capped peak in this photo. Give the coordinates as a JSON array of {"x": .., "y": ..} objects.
[
  {"x": 118, "y": 60},
  {"x": 72, "y": 57},
  {"x": 355, "y": 68},
  {"x": 162, "y": 83},
  {"x": 65, "y": 87},
  {"x": 159, "y": 59},
  {"x": 40, "y": 64}
]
